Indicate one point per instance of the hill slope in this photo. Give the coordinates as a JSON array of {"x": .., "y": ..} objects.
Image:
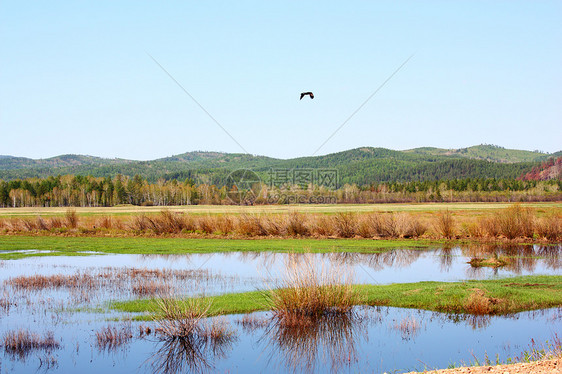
[
  {"x": 486, "y": 152},
  {"x": 362, "y": 166}
]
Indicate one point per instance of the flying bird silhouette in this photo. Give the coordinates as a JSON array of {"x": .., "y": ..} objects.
[{"x": 303, "y": 94}]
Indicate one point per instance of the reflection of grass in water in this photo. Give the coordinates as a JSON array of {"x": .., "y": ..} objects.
[
  {"x": 66, "y": 246},
  {"x": 190, "y": 340},
  {"x": 302, "y": 343},
  {"x": 408, "y": 327}
]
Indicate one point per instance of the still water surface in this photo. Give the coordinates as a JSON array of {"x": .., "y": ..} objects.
[{"x": 378, "y": 340}]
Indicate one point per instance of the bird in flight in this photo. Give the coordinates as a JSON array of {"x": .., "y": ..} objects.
[{"x": 303, "y": 94}]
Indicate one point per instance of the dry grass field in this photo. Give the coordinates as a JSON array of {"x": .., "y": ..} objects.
[{"x": 459, "y": 209}]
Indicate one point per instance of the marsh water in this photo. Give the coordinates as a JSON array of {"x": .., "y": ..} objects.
[{"x": 70, "y": 296}]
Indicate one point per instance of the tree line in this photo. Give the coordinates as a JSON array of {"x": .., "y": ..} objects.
[{"x": 89, "y": 191}]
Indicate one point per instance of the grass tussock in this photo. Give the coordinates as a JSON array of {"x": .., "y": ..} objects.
[
  {"x": 312, "y": 290},
  {"x": 445, "y": 225},
  {"x": 71, "y": 218},
  {"x": 515, "y": 222},
  {"x": 295, "y": 224},
  {"x": 478, "y": 303},
  {"x": 22, "y": 342},
  {"x": 177, "y": 319}
]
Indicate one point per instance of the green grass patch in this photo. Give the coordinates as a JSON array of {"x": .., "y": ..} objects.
[
  {"x": 232, "y": 303},
  {"x": 498, "y": 296},
  {"x": 68, "y": 246}
]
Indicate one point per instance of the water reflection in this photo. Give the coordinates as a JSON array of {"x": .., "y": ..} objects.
[
  {"x": 301, "y": 345},
  {"x": 190, "y": 354},
  {"x": 521, "y": 258}
]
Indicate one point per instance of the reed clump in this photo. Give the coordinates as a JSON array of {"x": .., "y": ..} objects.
[
  {"x": 312, "y": 290},
  {"x": 515, "y": 222},
  {"x": 71, "y": 218},
  {"x": 478, "y": 303},
  {"x": 345, "y": 224},
  {"x": 112, "y": 337},
  {"x": 188, "y": 322},
  {"x": 251, "y": 225},
  {"x": 295, "y": 224},
  {"x": 445, "y": 225},
  {"x": 181, "y": 319},
  {"x": 22, "y": 342},
  {"x": 549, "y": 228}
]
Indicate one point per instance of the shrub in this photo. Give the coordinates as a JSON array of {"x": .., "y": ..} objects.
[
  {"x": 445, "y": 225},
  {"x": 295, "y": 224},
  {"x": 71, "y": 218},
  {"x": 345, "y": 224}
]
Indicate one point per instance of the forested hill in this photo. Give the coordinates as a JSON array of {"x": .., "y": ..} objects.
[
  {"x": 361, "y": 165},
  {"x": 485, "y": 152}
]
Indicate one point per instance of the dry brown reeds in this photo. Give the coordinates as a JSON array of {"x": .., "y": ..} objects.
[
  {"x": 345, "y": 224},
  {"x": 251, "y": 225},
  {"x": 445, "y": 225},
  {"x": 479, "y": 304},
  {"x": 112, "y": 337},
  {"x": 549, "y": 227},
  {"x": 295, "y": 224},
  {"x": 145, "y": 288},
  {"x": 42, "y": 224},
  {"x": 312, "y": 290},
  {"x": 71, "y": 218},
  {"x": 105, "y": 222},
  {"x": 515, "y": 222},
  {"x": 22, "y": 342},
  {"x": 55, "y": 222},
  {"x": 511, "y": 223}
]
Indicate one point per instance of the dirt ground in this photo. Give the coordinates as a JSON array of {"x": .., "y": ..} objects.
[{"x": 538, "y": 367}]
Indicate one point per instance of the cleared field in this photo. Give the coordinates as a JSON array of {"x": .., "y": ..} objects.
[{"x": 469, "y": 208}]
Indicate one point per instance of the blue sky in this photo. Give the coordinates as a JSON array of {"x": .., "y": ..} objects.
[{"x": 75, "y": 77}]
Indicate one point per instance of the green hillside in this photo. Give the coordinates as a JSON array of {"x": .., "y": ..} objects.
[
  {"x": 485, "y": 152},
  {"x": 362, "y": 166}
]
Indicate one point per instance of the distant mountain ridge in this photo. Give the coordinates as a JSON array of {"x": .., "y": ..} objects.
[
  {"x": 362, "y": 166},
  {"x": 486, "y": 152}
]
